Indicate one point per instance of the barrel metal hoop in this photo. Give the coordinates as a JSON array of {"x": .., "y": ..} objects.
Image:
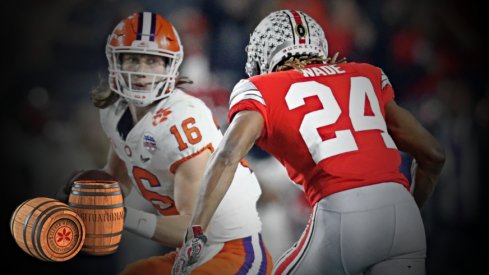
[
  {"x": 34, "y": 227},
  {"x": 95, "y": 193},
  {"x": 103, "y": 235},
  {"x": 12, "y": 219},
  {"x": 91, "y": 206},
  {"x": 87, "y": 186},
  {"x": 27, "y": 221},
  {"x": 44, "y": 220}
]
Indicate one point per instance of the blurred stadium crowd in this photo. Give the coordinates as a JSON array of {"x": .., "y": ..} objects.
[{"x": 434, "y": 53}]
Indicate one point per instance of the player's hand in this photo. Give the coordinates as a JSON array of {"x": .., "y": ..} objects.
[
  {"x": 64, "y": 190},
  {"x": 190, "y": 252}
]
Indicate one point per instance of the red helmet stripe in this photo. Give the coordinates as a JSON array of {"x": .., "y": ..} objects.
[{"x": 298, "y": 21}]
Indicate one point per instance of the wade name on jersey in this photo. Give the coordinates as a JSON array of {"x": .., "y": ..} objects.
[{"x": 322, "y": 70}]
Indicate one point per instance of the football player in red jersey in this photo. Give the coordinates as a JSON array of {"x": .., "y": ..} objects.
[{"x": 337, "y": 130}]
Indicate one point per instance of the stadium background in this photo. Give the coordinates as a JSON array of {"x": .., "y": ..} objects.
[{"x": 434, "y": 52}]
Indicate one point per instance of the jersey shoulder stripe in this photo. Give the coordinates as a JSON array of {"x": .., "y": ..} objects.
[
  {"x": 245, "y": 89},
  {"x": 385, "y": 80}
]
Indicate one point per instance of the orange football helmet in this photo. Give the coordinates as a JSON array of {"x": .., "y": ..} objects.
[{"x": 144, "y": 33}]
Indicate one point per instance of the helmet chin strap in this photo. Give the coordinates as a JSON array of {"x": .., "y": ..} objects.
[{"x": 159, "y": 87}]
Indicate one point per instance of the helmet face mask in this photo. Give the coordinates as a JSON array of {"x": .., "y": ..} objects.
[
  {"x": 144, "y": 34},
  {"x": 280, "y": 35}
]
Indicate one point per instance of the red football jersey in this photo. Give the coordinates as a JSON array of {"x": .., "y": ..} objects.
[{"x": 325, "y": 124}]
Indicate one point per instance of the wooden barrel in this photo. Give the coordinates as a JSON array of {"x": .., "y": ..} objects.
[
  {"x": 47, "y": 229},
  {"x": 100, "y": 205}
]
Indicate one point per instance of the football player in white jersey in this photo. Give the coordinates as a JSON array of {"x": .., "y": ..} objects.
[{"x": 161, "y": 141}]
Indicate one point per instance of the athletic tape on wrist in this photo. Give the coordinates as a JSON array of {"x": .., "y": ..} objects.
[{"x": 140, "y": 222}]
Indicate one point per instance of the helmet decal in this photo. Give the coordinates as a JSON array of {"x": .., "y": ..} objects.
[
  {"x": 300, "y": 30},
  {"x": 146, "y": 26},
  {"x": 282, "y": 34}
]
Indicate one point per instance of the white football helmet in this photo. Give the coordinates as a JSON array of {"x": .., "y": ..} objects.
[
  {"x": 280, "y": 35},
  {"x": 144, "y": 33}
]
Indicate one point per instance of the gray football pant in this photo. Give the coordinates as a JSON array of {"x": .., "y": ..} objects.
[{"x": 374, "y": 230}]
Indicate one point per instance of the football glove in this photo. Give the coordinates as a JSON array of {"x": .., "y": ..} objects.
[{"x": 190, "y": 252}]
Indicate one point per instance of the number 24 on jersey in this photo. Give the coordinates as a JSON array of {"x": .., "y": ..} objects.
[{"x": 360, "y": 89}]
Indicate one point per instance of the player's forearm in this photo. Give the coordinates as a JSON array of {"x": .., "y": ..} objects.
[
  {"x": 429, "y": 166},
  {"x": 431, "y": 159},
  {"x": 167, "y": 230},
  {"x": 171, "y": 229},
  {"x": 217, "y": 179},
  {"x": 219, "y": 173},
  {"x": 425, "y": 182}
]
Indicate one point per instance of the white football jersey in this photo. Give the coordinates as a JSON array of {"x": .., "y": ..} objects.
[{"x": 172, "y": 132}]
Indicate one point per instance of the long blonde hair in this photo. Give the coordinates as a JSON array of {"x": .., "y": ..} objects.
[{"x": 102, "y": 96}]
